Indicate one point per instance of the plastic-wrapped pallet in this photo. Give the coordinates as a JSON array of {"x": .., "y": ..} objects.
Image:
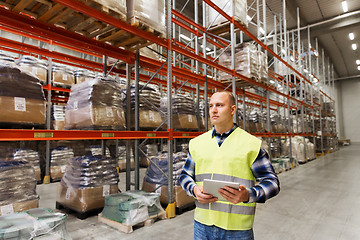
[
  {"x": 254, "y": 120},
  {"x": 6, "y": 59},
  {"x": 155, "y": 180},
  {"x": 59, "y": 159},
  {"x": 30, "y": 156},
  {"x": 95, "y": 103},
  {"x": 97, "y": 151},
  {"x": 149, "y": 104},
  {"x": 35, "y": 66},
  {"x": 18, "y": 187},
  {"x": 58, "y": 117},
  {"x": 82, "y": 75},
  {"x": 214, "y": 18},
  {"x": 63, "y": 75},
  {"x": 246, "y": 61},
  {"x": 183, "y": 110},
  {"x": 297, "y": 147},
  {"x": 36, "y": 223},
  {"x": 118, "y": 6},
  {"x": 149, "y": 12},
  {"x": 202, "y": 115},
  {"x": 132, "y": 207},
  {"x": 86, "y": 183},
  {"x": 22, "y": 98},
  {"x": 150, "y": 150},
  {"x": 263, "y": 67}
]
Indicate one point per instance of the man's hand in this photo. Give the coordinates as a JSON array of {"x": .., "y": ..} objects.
[
  {"x": 203, "y": 197},
  {"x": 235, "y": 195}
]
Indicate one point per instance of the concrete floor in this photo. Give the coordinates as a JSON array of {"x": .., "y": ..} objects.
[{"x": 318, "y": 200}]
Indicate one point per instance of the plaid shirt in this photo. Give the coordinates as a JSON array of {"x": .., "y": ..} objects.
[{"x": 269, "y": 185}]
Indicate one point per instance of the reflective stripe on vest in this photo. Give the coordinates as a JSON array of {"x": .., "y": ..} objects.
[
  {"x": 227, "y": 208},
  {"x": 247, "y": 183}
]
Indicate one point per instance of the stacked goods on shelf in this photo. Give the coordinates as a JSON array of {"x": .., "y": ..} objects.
[
  {"x": 149, "y": 99},
  {"x": 132, "y": 207},
  {"x": 183, "y": 110},
  {"x": 18, "y": 187},
  {"x": 246, "y": 62},
  {"x": 263, "y": 67},
  {"x": 82, "y": 75},
  {"x": 277, "y": 123},
  {"x": 118, "y": 6},
  {"x": 281, "y": 164},
  {"x": 95, "y": 103},
  {"x": 86, "y": 183},
  {"x": 6, "y": 59},
  {"x": 150, "y": 150},
  {"x": 36, "y": 223},
  {"x": 30, "y": 156},
  {"x": 35, "y": 66},
  {"x": 275, "y": 147},
  {"x": 300, "y": 151},
  {"x": 150, "y": 13},
  {"x": 122, "y": 158},
  {"x": 59, "y": 159},
  {"x": 156, "y": 181},
  {"x": 202, "y": 115},
  {"x": 22, "y": 100},
  {"x": 97, "y": 151},
  {"x": 214, "y": 18},
  {"x": 58, "y": 117},
  {"x": 254, "y": 121},
  {"x": 63, "y": 75}
]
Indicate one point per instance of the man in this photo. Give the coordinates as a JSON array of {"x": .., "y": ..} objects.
[{"x": 227, "y": 153}]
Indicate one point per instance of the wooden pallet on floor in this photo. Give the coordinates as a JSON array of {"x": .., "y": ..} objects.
[
  {"x": 130, "y": 228},
  {"x": 80, "y": 215}
]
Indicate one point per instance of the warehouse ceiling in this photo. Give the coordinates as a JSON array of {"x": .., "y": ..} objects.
[{"x": 327, "y": 22}]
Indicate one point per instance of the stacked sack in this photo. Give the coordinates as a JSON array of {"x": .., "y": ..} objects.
[
  {"x": 59, "y": 159},
  {"x": 22, "y": 99},
  {"x": 30, "y": 156},
  {"x": 18, "y": 187},
  {"x": 149, "y": 105},
  {"x": 302, "y": 152},
  {"x": 132, "y": 207},
  {"x": 155, "y": 180},
  {"x": 86, "y": 182},
  {"x": 96, "y": 103},
  {"x": 35, "y": 66},
  {"x": 36, "y": 223},
  {"x": 82, "y": 75},
  {"x": 183, "y": 110}
]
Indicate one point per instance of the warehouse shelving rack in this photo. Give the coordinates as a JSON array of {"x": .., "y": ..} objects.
[{"x": 192, "y": 78}]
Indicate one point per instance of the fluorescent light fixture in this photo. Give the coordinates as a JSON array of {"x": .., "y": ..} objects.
[
  {"x": 292, "y": 58},
  {"x": 359, "y": 68},
  {"x": 354, "y": 46},
  {"x": 283, "y": 51},
  {"x": 207, "y": 48},
  {"x": 358, "y": 62},
  {"x": 316, "y": 53},
  {"x": 248, "y": 18},
  {"x": 305, "y": 70},
  {"x": 315, "y": 80},
  {"x": 351, "y": 36},
  {"x": 272, "y": 81},
  {"x": 185, "y": 37},
  {"x": 344, "y": 6}
]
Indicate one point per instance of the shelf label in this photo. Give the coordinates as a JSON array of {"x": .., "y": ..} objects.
[
  {"x": 20, "y": 104},
  {"x": 151, "y": 134},
  {"x": 68, "y": 193},
  {"x": 7, "y": 209},
  {"x": 63, "y": 169},
  {"x": 151, "y": 116},
  {"x": 185, "y": 134},
  {"x": 190, "y": 118},
  {"x": 64, "y": 77},
  {"x": 43, "y": 135},
  {"x": 109, "y": 112},
  {"x": 107, "y": 134}
]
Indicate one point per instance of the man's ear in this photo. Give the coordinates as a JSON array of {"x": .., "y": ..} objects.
[{"x": 233, "y": 109}]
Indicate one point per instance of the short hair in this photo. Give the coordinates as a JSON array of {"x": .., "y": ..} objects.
[{"x": 230, "y": 95}]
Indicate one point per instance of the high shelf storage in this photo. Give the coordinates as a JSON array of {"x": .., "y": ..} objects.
[{"x": 279, "y": 95}]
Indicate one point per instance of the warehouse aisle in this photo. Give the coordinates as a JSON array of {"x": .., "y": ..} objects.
[{"x": 318, "y": 200}]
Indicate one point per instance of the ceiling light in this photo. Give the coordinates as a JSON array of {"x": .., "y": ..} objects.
[
  {"x": 354, "y": 46},
  {"x": 344, "y": 6},
  {"x": 305, "y": 70},
  {"x": 351, "y": 36},
  {"x": 248, "y": 18},
  {"x": 358, "y": 62},
  {"x": 359, "y": 68},
  {"x": 272, "y": 81}
]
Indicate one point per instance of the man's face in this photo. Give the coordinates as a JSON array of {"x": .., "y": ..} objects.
[{"x": 221, "y": 112}]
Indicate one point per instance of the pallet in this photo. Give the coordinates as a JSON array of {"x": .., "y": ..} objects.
[
  {"x": 130, "y": 228},
  {"x": 223, "y": 29},
  {"x": 185, "y": 208},
  {"x": 80, "y": 215},
  {"x": 71, "y": 20}
]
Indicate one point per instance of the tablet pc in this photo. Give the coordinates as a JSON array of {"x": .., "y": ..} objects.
[{"x": 212, "y": 186}]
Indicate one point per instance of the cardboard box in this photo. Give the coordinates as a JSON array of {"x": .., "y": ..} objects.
[
  {"x": 37, "y": 173},
  {"x": 180, "y": 197},
  {"x": 22, "y": 110},
  {"x": 39, "y": 72},
  {"x": 57, "y": 172},
  {"x": 63, "y": 78},
  {"x": 22, "y": 206},
  {"x": 147, "y": 119},
  {"x": 83, "y": 200}
]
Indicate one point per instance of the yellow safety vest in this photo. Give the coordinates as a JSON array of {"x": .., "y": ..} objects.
[{"x": 230, "y": 162}]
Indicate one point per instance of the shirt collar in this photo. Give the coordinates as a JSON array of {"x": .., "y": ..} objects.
[{"x": 215, "y": 133}]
